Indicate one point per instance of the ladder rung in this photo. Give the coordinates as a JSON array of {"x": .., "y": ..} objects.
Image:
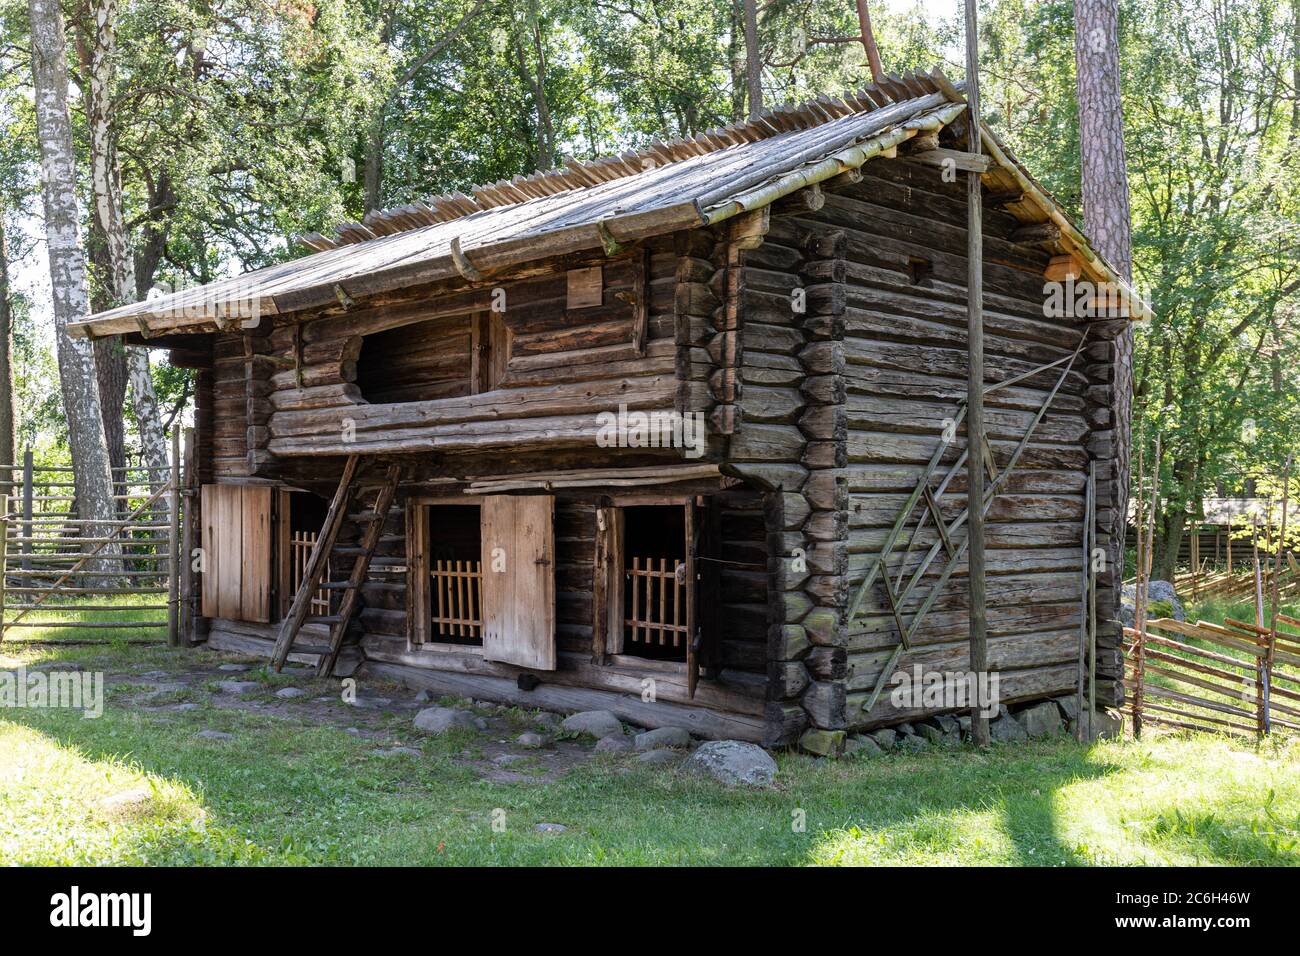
[
  {"x": 324, "y": 619},
  {"x": 335, "y": 585},
  {"x": 366, "y": 516},
  {"x": 348, "y": 550}
]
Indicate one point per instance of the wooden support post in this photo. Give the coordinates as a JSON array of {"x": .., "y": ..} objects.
[
  {"x": 189, "y": 531},
  {"x": 1274, "y": 596},
  {"x": 174, "y": 546},
  {"x": 975, "y": 382},
  {"x": 27, "y": 506},
  {"x": 1092, "y": 607},
  {"x": 1195, "y": 558},
  {"x": 4, "y": 553}
]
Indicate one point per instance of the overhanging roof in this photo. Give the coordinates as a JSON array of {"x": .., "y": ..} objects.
[{"x": 670, "y": 186}]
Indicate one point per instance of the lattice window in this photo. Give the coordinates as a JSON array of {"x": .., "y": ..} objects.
[
  {"x": 658, "y": 603},
  {"x": 457, "y": 599}
]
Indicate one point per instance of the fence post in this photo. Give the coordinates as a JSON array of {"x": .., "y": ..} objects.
[
  {"x": 27, "y": 508},
  {"x": 174, "y": 544},
  {"x": 4, "y": 555}
]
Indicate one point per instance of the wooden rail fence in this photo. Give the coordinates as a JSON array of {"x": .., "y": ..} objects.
[
  {"x": 1235, "y": 678},
  {"x": 52, "y": 576}
]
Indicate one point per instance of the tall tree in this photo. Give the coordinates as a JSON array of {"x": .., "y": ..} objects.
[
  {"x": 106, "y": 188},
  {"x": 1106, "y": 215},
  {"x": 92, "y": 476},
  {"x": 753, "y": 60},
  {"x": 8, "y": 425}
]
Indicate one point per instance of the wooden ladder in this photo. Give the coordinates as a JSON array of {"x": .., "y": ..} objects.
[{"x": 317, "y": 569}]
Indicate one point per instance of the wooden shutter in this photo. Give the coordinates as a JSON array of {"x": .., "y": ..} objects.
[
  {"x": 693, "y": 645},
  {"x": 519, "y": 580},
  {"x": 237, "y": 552}
]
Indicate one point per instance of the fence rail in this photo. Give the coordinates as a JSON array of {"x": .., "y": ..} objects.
[
  {"x": 51, "y": 571},
  {"x": 1234, "y": 678}
]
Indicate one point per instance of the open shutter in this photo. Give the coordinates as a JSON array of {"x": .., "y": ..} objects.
[
  {"x": 237, "y": 552},
  {"x": 519, "y": 580}
]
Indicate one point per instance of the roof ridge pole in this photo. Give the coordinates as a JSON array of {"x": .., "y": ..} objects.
[{"x": 979, "y": 723}]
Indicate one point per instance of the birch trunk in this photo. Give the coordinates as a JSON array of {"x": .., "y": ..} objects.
[
  {"x": 8, "y": 442},
  {"x": 94, "y": 484},
  {"x": 106, "y": 186},
  {"x": 1106, "y": 217}
]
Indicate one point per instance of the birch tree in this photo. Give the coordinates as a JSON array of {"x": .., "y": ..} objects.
[
  {"x": 106, "y": 188},
  {"x": 92, "y": 475}
]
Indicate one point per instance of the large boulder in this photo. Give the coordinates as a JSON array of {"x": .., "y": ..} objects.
[
  {"x": 733, "y": 762},
  {"x": 439, "y": 720},
  {"x": 1041, "y": 720},
  {"x": 1159, "y": 591},
  {"x": 597, "y": 723},
  {"x": 1006, "y": 729}
]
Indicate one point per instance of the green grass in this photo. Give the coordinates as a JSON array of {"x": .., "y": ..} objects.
[
  {"x": 62, "y": 608},
  {"x": 288, "y": 790}
]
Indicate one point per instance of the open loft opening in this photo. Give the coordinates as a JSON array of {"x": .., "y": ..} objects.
[
  {"x": 301, "y": 515},
  {"x": 443, "y": 357}
]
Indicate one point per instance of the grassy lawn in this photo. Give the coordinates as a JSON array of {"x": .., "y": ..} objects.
[{"x": 137, "y": 786}]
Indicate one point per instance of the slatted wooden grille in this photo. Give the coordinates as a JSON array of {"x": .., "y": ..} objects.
[
  {"x": 300, "y": 545},
  {"x": 658, "y": 606},
  {"x": 457, "y": 598}
]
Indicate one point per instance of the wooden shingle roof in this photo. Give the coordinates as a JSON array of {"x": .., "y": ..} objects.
[{"x": 587, "y": 205}]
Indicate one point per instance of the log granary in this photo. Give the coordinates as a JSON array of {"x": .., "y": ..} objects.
[{"x": 676, "y": 434}]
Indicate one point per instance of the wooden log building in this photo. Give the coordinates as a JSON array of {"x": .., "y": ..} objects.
[{"x": 675, "y": 434}]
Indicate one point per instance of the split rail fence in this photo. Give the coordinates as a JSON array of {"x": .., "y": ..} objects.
[
  {"x": 1235, "y": 678},
  {"x": 55, "y": 578}
]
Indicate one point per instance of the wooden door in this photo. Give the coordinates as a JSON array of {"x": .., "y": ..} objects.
[
  {"x": 519, "y": 580},
  {"x": 237, "y": 552}
]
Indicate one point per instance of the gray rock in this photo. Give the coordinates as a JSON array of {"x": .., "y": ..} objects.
[
  {"x": 185, "y": 706},
  {"x": 905, "y": 729},
  {"x": 373, "y": 703},
  {"x": 863, "y": 745},
  {"x": 548, "y": 719},
  {"x": 1158, "y": 591},
  {"x": 1069, "y": 706},
  {"x": 398, "y": 751},
  {"x": 423, "y": 697},
  {"x": 948, "y": 724},
  {"x": 531, "y": 740},
  {"x": 354, "y": 731},
  {"x": 733, "y": 762},
  {"x": 662, "y": 737},
  {"x": 1041, "y": 720},
  {"x": 289, "y": 693},
  {"x": 597, "y": 723},
  {"x": 614, "y": 743},
  {"x": 1006, "y": 729},
  {"x": 550, "y": 828},
  {"x": 238, "y": 687},
  {"x": 659, "y": 758},
  {"x": 215, "y": 735},
  {"x": 439, "y": 720},
  {"x": 1108, "y": 727},
  {"x": 912, "y": 743},
  {"x": 505, "y": 760},
  {"x": 932, "y": 733},
  {"x": 885, "y": 737},
  {"x": 234, "y": 668}
]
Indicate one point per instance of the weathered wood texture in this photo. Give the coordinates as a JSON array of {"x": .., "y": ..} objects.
[{"x": 901, "y": 306}]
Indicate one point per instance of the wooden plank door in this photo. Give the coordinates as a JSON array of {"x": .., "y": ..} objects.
[
  {"x": 237, "y": 552},
  {"x": 519, "y": 580}
]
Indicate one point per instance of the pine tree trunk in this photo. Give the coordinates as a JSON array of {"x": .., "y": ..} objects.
[
  {"x": 753, "y": 65},
  {"x": 79, "y": 385},
  {"x": 1106, "y": 216},
  {"x": 106, "y": 186}
]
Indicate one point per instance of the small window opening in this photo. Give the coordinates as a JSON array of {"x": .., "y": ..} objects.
[
  {"x": 655, "y": 586},
  {"x": 918, "y": 270},
  {"x": 455, "y": 574}
]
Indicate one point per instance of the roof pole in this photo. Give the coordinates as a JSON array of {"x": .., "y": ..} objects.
[{"x": 975, "y": 442}]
